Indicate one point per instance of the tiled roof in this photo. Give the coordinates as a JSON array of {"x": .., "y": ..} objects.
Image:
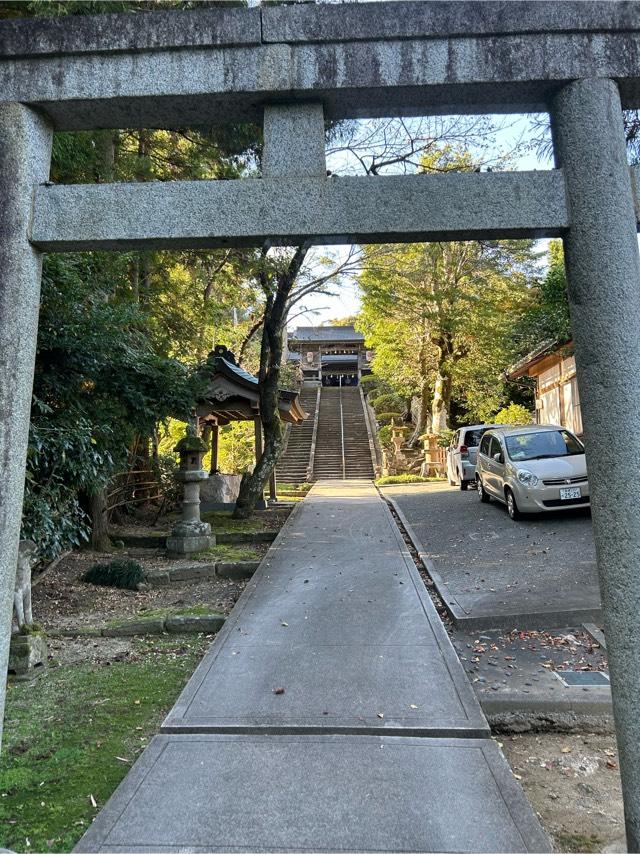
[
  {"x": 326, "y": 333},
  {"x": 239, "y": 372}
]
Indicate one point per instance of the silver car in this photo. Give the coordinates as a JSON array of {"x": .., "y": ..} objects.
[
  {"x": 532, "y": 469},
  {"x": 462, "y": 453}
]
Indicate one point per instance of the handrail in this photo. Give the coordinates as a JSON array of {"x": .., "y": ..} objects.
[
  {"x": 344, "y": 467},
  {"x": 314, "y": 437}
]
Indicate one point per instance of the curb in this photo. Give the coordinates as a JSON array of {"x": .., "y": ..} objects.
[
  {"x": 188, "y": 624},
  {"x": 234, "y": 570}
]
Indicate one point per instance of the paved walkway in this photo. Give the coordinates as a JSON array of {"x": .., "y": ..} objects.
[
  {"x": 492, "y": 572},
  {"x": 330, "y": 714}
]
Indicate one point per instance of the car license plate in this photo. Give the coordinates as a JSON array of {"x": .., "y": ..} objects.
[{"x": 570, "y": 492}]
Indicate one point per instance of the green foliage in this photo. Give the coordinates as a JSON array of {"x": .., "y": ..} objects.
[
  {"x": 444, "y": 439},
  {"x": 98, "y": 385},
  {"x": 390, "y": 479},
  {"x": 386, "y": 403},
  {"x": 369, "y": 382},
  {"x": 384, "y": 434},
  {"x": 123, "y": 573},
  {"x": 513, "y": 414},
  {"x": 120, "y": 332},
  {"x": 61, "y": 741},
  {"x": 447, "y": 311},
  {"x": 386, "y": 417},
  {"x": 547, "y": 318}
]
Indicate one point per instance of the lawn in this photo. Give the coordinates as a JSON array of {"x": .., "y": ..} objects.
[{"x": 72, "y": 735}]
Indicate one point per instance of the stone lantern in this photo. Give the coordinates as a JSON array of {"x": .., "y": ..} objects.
[{"x": 191, "y": 534}]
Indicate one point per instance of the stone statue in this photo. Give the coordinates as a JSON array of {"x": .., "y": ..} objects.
[{"x": 22, "y": 590}]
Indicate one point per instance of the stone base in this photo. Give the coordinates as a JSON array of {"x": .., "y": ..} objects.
[
  {"x": 26, "y": 653},
  {"x": 187, "y": 545}
]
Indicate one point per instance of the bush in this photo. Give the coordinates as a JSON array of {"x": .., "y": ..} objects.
[
  {"x": 369, "y": 383},
  {"x": 126, "y": 574},
  {"x": 384, "y": 434},
  {"x": 513, "y": 414},
  {"x": 387, "y": 403},
  {"x": 385, "y": 417},
  {"x": 401, "y": 478},
  {"x": 444, "y": 439}
]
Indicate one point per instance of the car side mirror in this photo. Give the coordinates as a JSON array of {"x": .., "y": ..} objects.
[{"x": 498, "y": 458}]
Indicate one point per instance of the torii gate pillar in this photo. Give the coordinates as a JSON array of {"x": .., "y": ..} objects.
[
  {"x": 603, "y": 273},
  {"x": 25, "y": 155}
]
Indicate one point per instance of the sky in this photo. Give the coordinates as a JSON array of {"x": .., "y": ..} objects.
[{"x": 322, "y": 308}]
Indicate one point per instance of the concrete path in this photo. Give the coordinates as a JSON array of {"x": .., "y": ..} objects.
[
  {"x": 299, "y": 730},
  {"x": 491, "y": 572}
]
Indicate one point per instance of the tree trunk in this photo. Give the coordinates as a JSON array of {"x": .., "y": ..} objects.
[
  {"x": 441, "y": 403},
  {"x": 443, "y": 385},
  {"x": 422, "y": 423},
  {"x": 275, "y": 315},
  {"x": 99, "y": 541},
  {"x": 425, "y": 393}
]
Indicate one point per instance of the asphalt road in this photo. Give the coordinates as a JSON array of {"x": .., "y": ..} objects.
[{"x": 491, "y": 571}]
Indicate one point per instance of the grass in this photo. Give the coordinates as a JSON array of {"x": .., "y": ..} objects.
[
  {"x": 222, "y": 522},
  {"x": 65, "y": 732},
  {"x": 577, "y": 842},
  {"x": 390, "y": 479},
  {"x": 228, "y": 552},
  {"x": 294, "y": 488}
]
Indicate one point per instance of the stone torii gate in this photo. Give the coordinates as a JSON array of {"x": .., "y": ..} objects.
[{"x": 292, "y": 68}]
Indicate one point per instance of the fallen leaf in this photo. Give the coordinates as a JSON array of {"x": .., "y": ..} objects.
[
  {"x": 93, "y": 802},
  {"x": 413, "y": 706},
  {"x": 566, "y": 750},
  {"x": 122, "y": 759},
  {"x": 286, "y": 625},
  {"x": 611, "y": 764},
  {"x": 380, "y": 715},
  {"x": 278, "y": 690}
]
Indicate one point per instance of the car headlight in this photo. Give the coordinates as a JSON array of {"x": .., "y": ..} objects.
[{"x": 527, "y": 478}]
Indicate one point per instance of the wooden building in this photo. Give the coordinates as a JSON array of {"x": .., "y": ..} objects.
[
  {"x": 329, "y": 355},
  {"x": 553, "y": 366}
]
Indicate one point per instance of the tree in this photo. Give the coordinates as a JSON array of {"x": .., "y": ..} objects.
[
  {"x": 440, "y": 316},
  {"x": 547, "y": 317},
  {"x": 278, "y": 279}
]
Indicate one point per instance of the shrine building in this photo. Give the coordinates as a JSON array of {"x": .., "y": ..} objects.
[{"x": 329, "y": 355}]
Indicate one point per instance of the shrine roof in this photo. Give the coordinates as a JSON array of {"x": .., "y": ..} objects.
[{"x": 326, "y": 333}]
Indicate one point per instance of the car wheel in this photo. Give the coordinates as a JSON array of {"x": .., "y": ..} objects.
[
  {"x": 482, "y": 495},
  {"x": 464, "y": 484},
  {"x": 512, "y": 507}
]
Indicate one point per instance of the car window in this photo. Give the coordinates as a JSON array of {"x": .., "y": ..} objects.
[
  {"x": 496, "y": 448},
  {"x": 472, "y": 437},
  {"x": 484, "y": 445},
  {"x": 543, "y": 445}
]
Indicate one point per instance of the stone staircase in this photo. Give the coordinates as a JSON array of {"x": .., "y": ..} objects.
[
  {"x": 338, "y": 406},
  {"x": 293, "y": 464},
  {"x": 342, "y": 406}
]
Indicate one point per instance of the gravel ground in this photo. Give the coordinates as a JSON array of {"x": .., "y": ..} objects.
[{"x": 573, "y": 783}]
